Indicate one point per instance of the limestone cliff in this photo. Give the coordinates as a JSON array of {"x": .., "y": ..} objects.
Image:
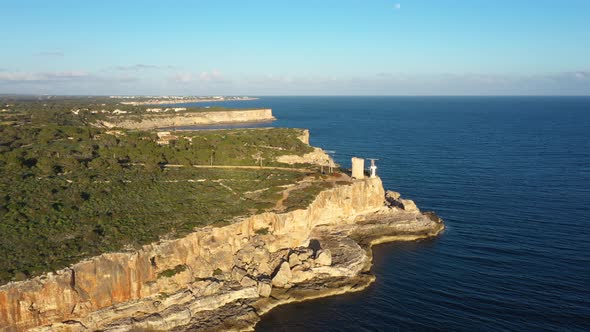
[
  {"x": 317, "y": 157},
  {"x": 220, "y": 277},
  {"x": 152, "y": 121}
]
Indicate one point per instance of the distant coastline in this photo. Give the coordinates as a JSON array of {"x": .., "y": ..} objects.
[
  {"x": 152, "y": 121},
  {"x": 167, "y": 101}
]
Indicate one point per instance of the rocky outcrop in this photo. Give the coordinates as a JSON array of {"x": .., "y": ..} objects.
[
  {"x": 283, "y": 276},
  {"x": 221, "y": 278},
  {"x": 152, "y": 121},
  {"x": 316, "y": 157},
  {"x": 324, "y": 257},
  {"x": 304, "y": 136}
]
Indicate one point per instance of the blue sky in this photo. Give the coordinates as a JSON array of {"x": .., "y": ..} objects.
[{"x": 304, "y": 47}]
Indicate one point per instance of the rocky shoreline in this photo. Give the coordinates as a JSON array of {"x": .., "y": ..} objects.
[
  {"x": 332, "y": 286},
  {"x": 223, "y": 278},
  {"x": 346, "y": 270}
]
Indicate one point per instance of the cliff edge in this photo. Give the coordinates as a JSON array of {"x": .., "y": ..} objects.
[
  {"x": 152, "y": 121},
  {"x": 223, "y": 278}
]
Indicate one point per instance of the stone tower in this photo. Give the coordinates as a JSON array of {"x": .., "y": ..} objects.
[{"x": 358, "y": 168}]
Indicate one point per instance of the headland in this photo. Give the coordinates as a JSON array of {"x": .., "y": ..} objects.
[{"x": 193, "y": 230}]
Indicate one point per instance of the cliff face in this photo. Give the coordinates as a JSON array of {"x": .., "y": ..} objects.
[
  {"x": 245, "y": 252},
  {"x": 304, "y": 136},
  {"x": 152, "y": 121}
]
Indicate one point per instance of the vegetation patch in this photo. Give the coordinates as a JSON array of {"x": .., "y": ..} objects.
[
  {"x": 300, "y": 199},
  {"x": 172, "y": 272},
  {"x": 262, "y": 231},
  {"x": 70, "y": 191}
]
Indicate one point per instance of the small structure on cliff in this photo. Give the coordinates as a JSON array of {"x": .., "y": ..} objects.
[
  {"x": 373, "y": 168},
  {"x": 358, "y": 168}
]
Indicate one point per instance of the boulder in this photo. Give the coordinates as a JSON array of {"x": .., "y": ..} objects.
[
  {"x": 264, "y": 268},
  {"x": 305, "y": 254},
  {"x": 252, "y": 255},
  {"x": 301, "y": 273},
  {"x": 264, "y": 288},
  {"x": 283, "y": 276},
  {"x": 306, "y": 265},
  {"x": 409, "y": 205},
  {"x": 247, "y": 282},
  {"x": 324, "y": 257},
  {"x": 294, "y": 260},
  {"x": 393, "y": 199},
  {"x": 392, "y": 195}
]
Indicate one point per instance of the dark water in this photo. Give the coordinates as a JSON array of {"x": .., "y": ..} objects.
[{"x": 511, "y": 178}]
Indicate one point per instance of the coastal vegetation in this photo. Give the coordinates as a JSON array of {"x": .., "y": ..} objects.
[{"x": 71, "y": 191}]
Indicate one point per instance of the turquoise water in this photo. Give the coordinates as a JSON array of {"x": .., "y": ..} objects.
[{"x": 511, "y": 178}]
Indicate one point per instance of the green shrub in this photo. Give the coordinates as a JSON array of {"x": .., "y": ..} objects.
[
  {"x": 172, "y": 272},
  {"x": 71, "y": 191},
  {"x": 262, "y": 231}
]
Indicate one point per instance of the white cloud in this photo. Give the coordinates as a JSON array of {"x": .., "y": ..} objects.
[
  {"x": 581, "y": 75},
  {"x": 50, "y": 53},
  {"x": 205, "y": 76},
  {"x": 397, "y": 6},
  {"x": 42, "y": 76},
  {"x": 182, "y": 77},
  {"x": 214, "y": 82},
  {"x": 213, "y": 75},
  {"x": 140, "y": 67},
  {"x": 386, "y": 83}
]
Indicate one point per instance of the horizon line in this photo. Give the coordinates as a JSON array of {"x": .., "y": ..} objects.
[{"x": 285, "y": 95}]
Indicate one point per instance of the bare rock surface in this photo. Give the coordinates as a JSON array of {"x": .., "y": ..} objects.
[
  {"x": 283, "y": 276},
  {"x": 232, "y": 275},
  {"x": 152, "y": 121},
  {"x": 316, "y": 157},
  {"x": 324, "y": 257},
  {"x": 409, "y": 205}
]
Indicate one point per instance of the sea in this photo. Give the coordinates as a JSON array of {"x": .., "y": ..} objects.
[{"x": 510, "y": 176}]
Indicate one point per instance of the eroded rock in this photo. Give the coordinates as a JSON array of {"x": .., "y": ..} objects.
[
  {"x": 283, "y": 276},
  {"x": 392, "y": 195},
  {"x": 264, "y": 288},
  {"x": 305, "y": 254},
  {"x": 294, "y": 260},
  {"x": 237, "y": 273},
  {"x": 301, "y": 273},
  {"x": 248, "y": 282},
  {"x": 409, "y": 205},
  {"x": 324, "y": 257}
]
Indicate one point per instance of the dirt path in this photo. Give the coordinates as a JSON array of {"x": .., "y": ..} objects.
[{"x": 279, "y": 205}]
